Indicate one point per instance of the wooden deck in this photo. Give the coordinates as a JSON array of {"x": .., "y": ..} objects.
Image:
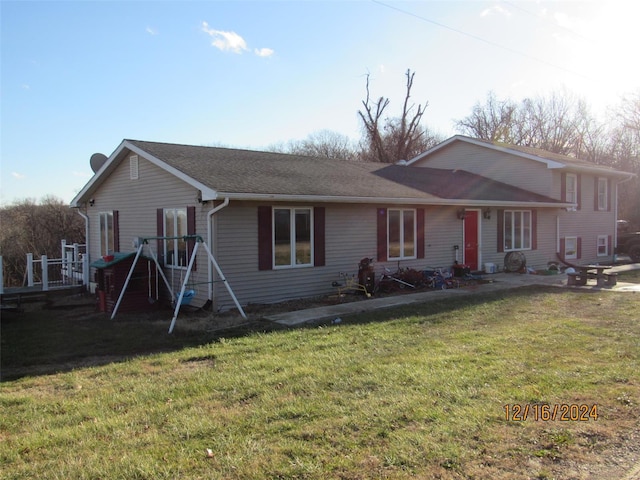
[{"x": 14, "y": 297}]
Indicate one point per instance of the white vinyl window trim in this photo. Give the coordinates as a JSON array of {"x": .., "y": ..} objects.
[
  {"x": 292, "y": 237},
  {"x": 175, "y": 249},
  {"x": 518, "y": 230},
  {"x": 602, "y": 194},
  {"x": 107, "y": 238},
  {"x": 571, "y": 188},
  {"x": 401, "y": 234},
  {"x": 570, "y": 248},
  {"x": 602, "y": 246}
]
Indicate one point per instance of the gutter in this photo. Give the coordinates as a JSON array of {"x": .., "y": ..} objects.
[
  {"x": 210, "y": 215},
  {"x": 268, "y": 197}
]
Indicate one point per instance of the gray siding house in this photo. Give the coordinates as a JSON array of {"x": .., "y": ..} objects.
[{"x": 285, "y": 226}]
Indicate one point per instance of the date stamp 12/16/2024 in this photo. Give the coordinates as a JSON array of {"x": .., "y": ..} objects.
[{"x": 563, "y": 412}]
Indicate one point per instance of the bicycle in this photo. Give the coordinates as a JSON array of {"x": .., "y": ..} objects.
[
  {"x": 402, "y": 278},
  {"x": 440, "y": 279}
]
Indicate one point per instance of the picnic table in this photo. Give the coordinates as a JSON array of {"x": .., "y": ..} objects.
[{"x": 584, "y": 272}]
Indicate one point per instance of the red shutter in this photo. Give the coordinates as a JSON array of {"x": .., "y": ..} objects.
[
  {"x": 116, "y": 231},
  {"x": 579, "y": 247},
  {"x": 500, "y": 230},
  {"x": 318, "y": 236},
  {"x": 382, "y": 234},
  {"x": 420, "y": 234},
  {"x": 609, "y": 245},
  {"x": 609, "y": 196},
  {"x": 534, "y": 229},
  {"x": 579, "y": 191},
  {"x": 595, "y": 194},
  {"x": 191, "y": 230},
  {"x": 562, "y": 248},
  {"x": 265, "y": 235},
  {"x": 160, "y": 233},
  {"x": 563, "y": 187}
]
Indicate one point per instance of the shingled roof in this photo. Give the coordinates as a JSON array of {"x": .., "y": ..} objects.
[
  {"x": 553, "y": 160},
  {"x": 247, "y": 172},
  {"x": 459, "y": 184},
  {"x": 255, "y": 175}
]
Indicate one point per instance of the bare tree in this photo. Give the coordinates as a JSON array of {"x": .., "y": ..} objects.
[
  {"x": 623, "y": 152},
  {"x": 559, "y": 123},
  {"x": 494, "y": 121},
  {"x": 324, "y": 143},
  {"x": 387, "y": 139},
  {"x": 38, "y": 228}
]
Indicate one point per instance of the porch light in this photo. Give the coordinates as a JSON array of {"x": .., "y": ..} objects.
[
  {"x": 486, "y": 213},
  {"x": 461, "y": 213}
]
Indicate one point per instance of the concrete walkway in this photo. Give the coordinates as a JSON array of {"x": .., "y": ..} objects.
[{"x": 498, "y": 282}]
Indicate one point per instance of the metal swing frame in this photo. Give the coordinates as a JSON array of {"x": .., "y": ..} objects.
[{"x": 198, "y": 241}]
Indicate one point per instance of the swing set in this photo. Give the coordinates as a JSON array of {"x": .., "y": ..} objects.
[{"x": 185, "y": 296}]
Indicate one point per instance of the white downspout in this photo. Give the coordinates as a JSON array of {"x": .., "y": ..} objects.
[
  {"x": 210, "y": 215},
  {"x": 558, "y": 234},
  {"x": 85, "y": 266}
]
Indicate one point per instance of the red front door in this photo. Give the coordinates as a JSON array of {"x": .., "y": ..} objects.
[{"x": 471, "y": 239}]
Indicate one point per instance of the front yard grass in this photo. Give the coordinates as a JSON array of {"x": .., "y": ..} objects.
[{"x": 418, "y": 391}]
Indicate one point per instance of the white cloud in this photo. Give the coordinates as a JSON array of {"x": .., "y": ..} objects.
[
  {"x": 18, "y": 176},
  {"x": 151, "y": 31},
  {"x": 225, "y": 41},
  {"x": 496, "y": 9},
  {"x": 263, "y": 52}
]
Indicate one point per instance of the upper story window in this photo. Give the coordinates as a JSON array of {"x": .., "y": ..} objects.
[
  {"x": 602, "y": 194},
  {"x": 571, "y": 188},
  {"x": 401, "y": 234},
  {"x": 517, "y": 230},
  {"x": 175, "y": 226},
  {"x": 292, "y": 237}
]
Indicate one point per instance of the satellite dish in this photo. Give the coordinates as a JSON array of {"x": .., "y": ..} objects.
[{"x": 97, "y": 161}]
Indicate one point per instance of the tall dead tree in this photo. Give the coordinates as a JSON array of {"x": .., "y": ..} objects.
[{"x": 391, "y": 139}]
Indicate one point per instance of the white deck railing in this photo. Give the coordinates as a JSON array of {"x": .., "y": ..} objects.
[{"x": 71, "y": 269}]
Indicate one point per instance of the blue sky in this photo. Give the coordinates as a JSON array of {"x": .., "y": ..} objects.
[{"x": 77, "y": 77}]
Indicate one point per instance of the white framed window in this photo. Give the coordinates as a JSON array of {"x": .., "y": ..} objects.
[
  {"x": 401, "y": 234},
  {"x": 517, "y": 230},
  {"x": 603, "y": 245},
  {"x": 133, "y": 167},
  {"x": 292, "y": 237},
  {"x": 570, "y": 248},
  {"x": 571, "y": 188},
  {"x": 107, "y": 233},
  {"x": 175, "y": 249},
  {"x": 602, "y": 194}
]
